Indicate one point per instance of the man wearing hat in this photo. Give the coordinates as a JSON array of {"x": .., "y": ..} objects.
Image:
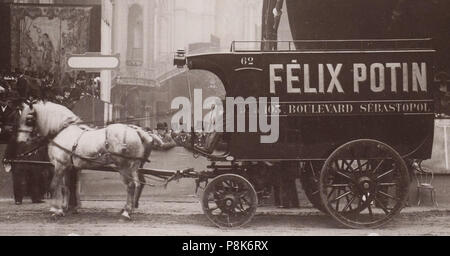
[
  {"x": 166, "y": 142},
  {"x": 8, "y": 119}
]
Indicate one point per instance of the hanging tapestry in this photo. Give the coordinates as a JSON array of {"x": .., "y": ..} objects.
[{"x": 41, "y": 36}]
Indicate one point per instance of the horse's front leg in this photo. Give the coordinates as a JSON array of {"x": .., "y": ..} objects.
[
  {"x": 57, "y": 188},
  {"x": 66, "y": 193},
  {"x": 77, "y": 191},
  {"x": 131, "y": 188},
  {"x": 74, "y": 185},
  {"x": 139, "y": 187}
]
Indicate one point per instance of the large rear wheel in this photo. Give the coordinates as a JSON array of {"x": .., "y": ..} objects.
[{"x": 364, "y": 184}]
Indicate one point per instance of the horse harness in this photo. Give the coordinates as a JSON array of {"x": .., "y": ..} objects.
[
  {"x": 74, "y": 147},
  {"x": 49, "y": 139},
  {"x": 108, "y": 153}
]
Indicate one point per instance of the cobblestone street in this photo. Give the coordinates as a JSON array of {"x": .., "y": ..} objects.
[{"x": 184, "y": 217}]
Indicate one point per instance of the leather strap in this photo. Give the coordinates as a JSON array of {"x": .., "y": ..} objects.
[{"x": 74, "y": 147}]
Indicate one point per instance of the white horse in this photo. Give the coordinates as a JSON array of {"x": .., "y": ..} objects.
[{"x": 73, "y": 147}]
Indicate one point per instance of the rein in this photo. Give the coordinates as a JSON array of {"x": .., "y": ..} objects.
[
  {"x": 42, "y": 143},
  {"x": 49, "y": 140}
]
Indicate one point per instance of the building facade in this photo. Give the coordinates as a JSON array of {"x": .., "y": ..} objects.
[{"x": 146, "y": 33}]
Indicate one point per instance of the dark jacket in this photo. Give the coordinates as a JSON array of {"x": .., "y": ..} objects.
[{"x": 8, "y": 121}]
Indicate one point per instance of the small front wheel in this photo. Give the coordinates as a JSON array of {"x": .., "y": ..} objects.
[{"x": 229, "y": 201}]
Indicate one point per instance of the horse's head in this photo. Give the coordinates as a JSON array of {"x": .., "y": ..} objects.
[
  {"x": 46, "y": 119},
  {"x": 27, "y": 123}
]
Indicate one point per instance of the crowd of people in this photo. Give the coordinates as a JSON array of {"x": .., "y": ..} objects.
[
  {"x": 66, "y": 90},
  {"x": 15, "y": 87}
]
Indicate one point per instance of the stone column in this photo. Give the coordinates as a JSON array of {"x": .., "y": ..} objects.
[
  {"x": 121, "y": 31},
  {"x": 145, "y": 30},
  {"x": 150, "y": 34},
  {"x": 106, "y": 49}
]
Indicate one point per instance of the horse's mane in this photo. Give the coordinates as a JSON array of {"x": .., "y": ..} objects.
[{"x": 52, "y": 118}]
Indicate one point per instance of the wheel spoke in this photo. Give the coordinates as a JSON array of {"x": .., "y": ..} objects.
[
  {"x": 387, "y": 195},
  {"x": 216, "y": 200},
  {"x": 385, "y": 209},
  {"x": 338, "y": 200},
  {"x": 384, "y": 174},
  {"x": 358, "y": 161},
  {"x": 378, "y": 166},
  {"x": 353, "y": 198},
  {"x": 246, "y": 201},
  {"x": 349, "y": 204},
  {"x": 338, "y": 186},
  {"x": 240, "y": 207},
  {"x": 219, "y": 192},
  {"x": 228, "y": 183},
  {"x": 387, "y": 184},
  {"x": 369, "y": 207},
  {"x": 242, "y": 194},
  {"x": 341, "y": 166},
  {"x": 214, "y": 208},
  {"x": 340, "y": 196},
  {"x": 349, "y": 165},
  {"x": 313, "y": 172},
  {"x": 344, "y": 175},
  {"x": 331, "y": 192},
  {"x": 362, "y": 165}
]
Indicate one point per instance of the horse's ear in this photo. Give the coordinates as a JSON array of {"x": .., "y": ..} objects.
[{"x": 30, "y": 102}]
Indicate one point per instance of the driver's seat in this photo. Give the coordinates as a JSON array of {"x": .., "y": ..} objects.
[{"x": 211, "y": 141}]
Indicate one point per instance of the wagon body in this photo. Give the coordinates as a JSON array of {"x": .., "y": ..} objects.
[{"x": 332, "y": 92}]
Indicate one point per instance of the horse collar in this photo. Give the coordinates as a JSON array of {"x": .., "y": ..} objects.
[{"x": 74, "y": 147}]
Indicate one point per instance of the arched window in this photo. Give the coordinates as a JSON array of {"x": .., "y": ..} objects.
[{"x": 135, "y": 36}]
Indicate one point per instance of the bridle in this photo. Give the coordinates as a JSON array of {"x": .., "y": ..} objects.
[
  {"x": 30, "y": 119},
  {"x": 31, "y": 130}
]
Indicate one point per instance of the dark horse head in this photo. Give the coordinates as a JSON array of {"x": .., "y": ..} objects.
[{"x": 29, "y": 88}]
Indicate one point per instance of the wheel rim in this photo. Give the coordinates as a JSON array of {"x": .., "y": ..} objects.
[
  {"x": 229, "y": 201},
  {"x": 364, "y": 184},
  {"x": 309, "y": 178}
]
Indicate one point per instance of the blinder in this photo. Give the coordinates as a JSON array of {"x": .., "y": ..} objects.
[{"x": 30, "y": 120}]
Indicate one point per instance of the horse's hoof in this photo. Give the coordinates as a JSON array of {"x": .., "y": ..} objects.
[
  {"x": 57, "y": 212},
  {"x": 125, "y": 216},
  {"x": 55, "y": 217},
  {"x": 53, "y": 210}
]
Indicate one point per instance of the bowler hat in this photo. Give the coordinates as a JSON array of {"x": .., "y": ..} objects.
[{"x": 160, "y": 126}]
